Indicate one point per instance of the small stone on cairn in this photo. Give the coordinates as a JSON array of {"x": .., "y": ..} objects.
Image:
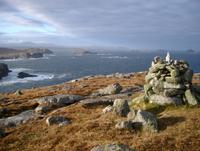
[{"x": 170, "y": 82}]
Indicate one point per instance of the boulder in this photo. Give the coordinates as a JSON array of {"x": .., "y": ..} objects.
[
  {"x": 58, "y": 100},
  {"x": 147, "y": 119},
  {"x": 124, "y": 125},
  {"x": 191, "y": 98},
  {"x": 57, "y": 120},
  {"x": 107, "y": 109},
  {"x": 162, "y": 100},
  {"x": 111, "y": 89},
  {"x": 121, "y": 107},
  {"x": 17, "y": 119},
  {"x": 112, "y": 147},
  {"x": 23, "y": 75}
]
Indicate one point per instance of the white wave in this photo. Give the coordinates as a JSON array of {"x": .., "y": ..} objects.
[
  {"x": 13, "y": 79},
  {"x": 45, "y": 56},
  {"x": 115, "y": 57}
]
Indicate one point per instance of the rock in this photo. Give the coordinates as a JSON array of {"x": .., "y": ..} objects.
[
  {"x": 173, "y": 80},
  {"x": 173, "y": 86},
  {"x": 131, "y": 89},
  {"x": 17, "y": 119},
  {"x": 112, "y": 147},
  {"x": 131, "y": 115},
  {"x": 42, "y": 109},
  {"x": 96, "y": 102},
  {"x": 121, "y": 107},
  {"x": 3, "y": 70},
  {"x": 188, "y": 75},
  {"x": 162, "y": 100},
  {"x": 174, "y": 73},
  {"x": 58, "y": 100},
  {"x": 23, "y": 75},
  {"x": 57, "y": 120},
  {"x": 173, "y": 92},
  {"x": 18, "y": 92},
  {"x": 148, "y": 121},
  {"x": 111, "y": 89},
  {"x": 2, "y": 132},
  {"x": 139, "y": 99},
  {"x": 190, "y": 97},
  {"x": 107, "y": 109},
  {"x": 124, "y": 125}
]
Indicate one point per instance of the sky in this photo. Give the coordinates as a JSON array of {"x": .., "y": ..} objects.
[{"x": 144, "y": 24}]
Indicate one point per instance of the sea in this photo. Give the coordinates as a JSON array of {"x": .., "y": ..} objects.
[{"x": 63, "y": 66}]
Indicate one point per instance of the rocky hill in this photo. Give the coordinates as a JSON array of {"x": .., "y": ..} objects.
[
  {"x": 8, "y": 53},
  {"x": 102, "y": 112}
]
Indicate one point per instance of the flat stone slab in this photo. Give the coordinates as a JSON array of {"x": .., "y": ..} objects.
[
  {"x": 17, "y": 119},
  {"x": 58, "y": 100},
  {"x": 97, "y": 101}
]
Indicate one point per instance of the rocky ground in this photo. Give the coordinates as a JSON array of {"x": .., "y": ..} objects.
[{"x": 72, "y": 117}]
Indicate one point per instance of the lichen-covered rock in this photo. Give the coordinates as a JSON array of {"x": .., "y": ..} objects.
[
  {"x": 124, "y": 125},
  {"x": 148, "y": 121},
  {"x": 163, "y": 100},
  {"x": 112, "y": 147},
  {"x": 111, "y": 89},
  {"x": 191, "y": 98},
  {"x": 57, "y": 120},
  {"x": 121, "y": 107}
]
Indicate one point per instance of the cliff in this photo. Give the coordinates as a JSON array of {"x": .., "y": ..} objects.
[{"x": 7, "y": 53}]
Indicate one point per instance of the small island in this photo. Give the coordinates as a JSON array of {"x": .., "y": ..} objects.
[
  {"x": 82, "y": 52},
  {"x": 25, "y": 53},
  {"x": 3, "y": 70}
]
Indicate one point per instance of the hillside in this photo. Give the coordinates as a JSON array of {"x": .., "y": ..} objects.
[{"x": 179, "y": 127}]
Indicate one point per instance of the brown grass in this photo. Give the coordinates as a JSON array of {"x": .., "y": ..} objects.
[{"x": 179, "y": 127}]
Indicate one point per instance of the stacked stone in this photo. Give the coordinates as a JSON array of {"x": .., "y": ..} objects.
[{"x": 170, "y": 82}]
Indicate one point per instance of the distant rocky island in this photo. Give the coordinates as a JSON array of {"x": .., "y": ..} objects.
[
  {"x": 10, "y": 53},
  {"x": 82, "y": 51}
]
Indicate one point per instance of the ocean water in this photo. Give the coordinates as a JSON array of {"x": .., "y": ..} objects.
[{"x": 64, "y": 66}]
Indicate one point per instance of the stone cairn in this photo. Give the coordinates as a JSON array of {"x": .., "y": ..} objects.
[{"x": 170, "y": 82}]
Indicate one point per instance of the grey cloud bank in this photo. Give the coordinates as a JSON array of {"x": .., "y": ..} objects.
[{"x": 172, "y": 24}]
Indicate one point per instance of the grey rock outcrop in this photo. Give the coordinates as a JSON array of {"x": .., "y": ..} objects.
[
  {"x": 17, "y": 119},
  {"x": 52, "y": 102},
  {"x": 112, "y": 147},
  {"x": 57, "y": 120}
]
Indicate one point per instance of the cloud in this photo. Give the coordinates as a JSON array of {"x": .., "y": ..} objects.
[{"x": 134, "y": 23}]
